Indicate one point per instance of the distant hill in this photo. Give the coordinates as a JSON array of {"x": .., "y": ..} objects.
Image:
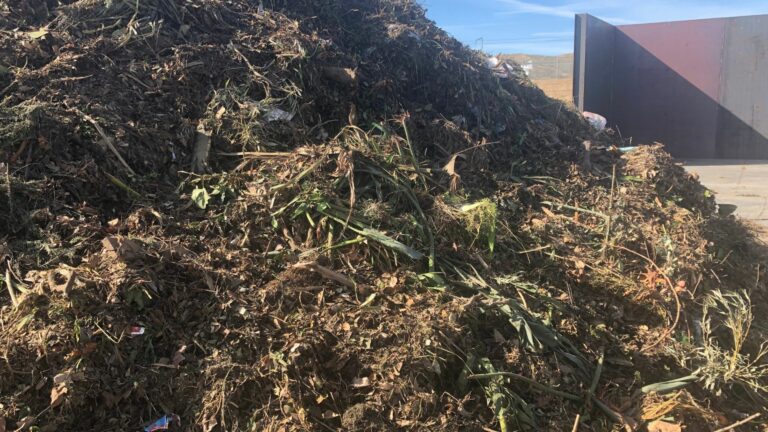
[{"x": 543, "y": 67}]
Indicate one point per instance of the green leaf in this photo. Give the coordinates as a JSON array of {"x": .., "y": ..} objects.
[
  {"x": 137, "y": 296},
  {"x": 24, "y": 321},
  {"x": 668, "y": 386},
  {"x": 369, "y": 300},
  {"x": 391, "y": 243},
  {"x": 200, "y": 197}
]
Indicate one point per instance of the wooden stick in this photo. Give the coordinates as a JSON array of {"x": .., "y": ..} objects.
[
  {"x": 327, "y": 273},
  {"x": 108, "y": 141},
  {"x": 9, "y": 285},
  {"x": 576, "y": 423},
  {"x": 609, "y": 222},
  {"x": 739, "y": 423}
]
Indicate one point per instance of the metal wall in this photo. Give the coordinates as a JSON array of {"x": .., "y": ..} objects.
[
  {"x": 592, "y": 60},
  {"x": 700, "y": 87}
]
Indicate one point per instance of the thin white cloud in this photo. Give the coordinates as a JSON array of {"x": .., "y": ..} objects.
[
  {"x": 632, "y": 11},
  {"x": 554, "y": 34},
  {"x": 522, "y": 7},
  {"x": 539, "y": 48}
]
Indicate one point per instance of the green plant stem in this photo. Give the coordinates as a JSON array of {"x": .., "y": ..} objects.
[
  {"x": 9, "y": 285},
  {"x": 598, "y": 372},
  {"x": 117, "y": 182},
  {"x": 578, "y": 209},
  {"x": 413, "y": 156},
  {"x": 532, "y": 382},
  {"x": 301, "y": 175},
  {"x": 613, "y": 415},
  {"x": 609, "y": 220}
]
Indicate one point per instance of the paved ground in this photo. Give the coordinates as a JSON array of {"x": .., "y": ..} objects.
[{"x": 742, "y": 183}]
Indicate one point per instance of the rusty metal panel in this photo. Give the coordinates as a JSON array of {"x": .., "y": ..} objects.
[
  {"x": 743, "y": 115},
  {"x": 700, "y": 87},
  {"x": 666, "y": 83},
  {"x": 693, "y": 49}
]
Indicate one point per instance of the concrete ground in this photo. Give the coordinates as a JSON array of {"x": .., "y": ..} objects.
[{"x": 738, "y": 182}]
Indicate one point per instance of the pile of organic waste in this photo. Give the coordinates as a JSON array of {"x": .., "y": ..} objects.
[{"x": 291, "y": 215}]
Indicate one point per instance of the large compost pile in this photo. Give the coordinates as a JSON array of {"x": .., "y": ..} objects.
[{"x": 290, "y": 215}]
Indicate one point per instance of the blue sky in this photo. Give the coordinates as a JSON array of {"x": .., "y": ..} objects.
[{"x": 546, "y": 26}]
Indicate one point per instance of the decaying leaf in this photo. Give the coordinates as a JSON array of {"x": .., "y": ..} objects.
[
  {"x": 123, "y": 248},
  {"x": 201, "y": 149},
  {"x": 345, "y": 76},
  {"x": 61, "y": 280},
  {"x": 450, "y": 168},
  {"x": 662, "y": 426},
  {"x": 361, "y": 382},
  {"x": 210, "y": 424},
  {"x": 37, "y": 34},
  {"x": 178, "y": 356},
  {"x": 25, "y": 423},
  {"x": 201, "y": 197},
  {"x": 58, "y": 394}
]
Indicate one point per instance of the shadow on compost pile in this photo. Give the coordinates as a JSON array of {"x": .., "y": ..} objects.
[{"x": 330, "y": 215}]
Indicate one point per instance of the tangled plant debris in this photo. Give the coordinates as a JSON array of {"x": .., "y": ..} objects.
[{"x": 330, "y": 215}]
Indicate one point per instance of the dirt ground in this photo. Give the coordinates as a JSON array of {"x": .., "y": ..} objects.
[{"x": 560, "y": 88}]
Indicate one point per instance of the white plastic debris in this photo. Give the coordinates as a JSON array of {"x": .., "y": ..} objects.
[
  {"x": 499, "y": 67},
  {"x": 596, "y": 120},
  {"x": 276, "y": 114},
  {"x": 492, "y": 62}
]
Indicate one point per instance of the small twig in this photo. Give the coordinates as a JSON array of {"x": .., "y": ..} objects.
[
  {"x": 530, "y": 381},
  {"x": 106, "y": 333},
  {"x": 10, "y": 190},
  {"x": 475, "y": 147},
  {"x": 108, "y": 141},
  {"x": 34, "y": 419},
  {"x": 739, "y": 423},
  {"x": 629, "y": 425},
  {"x": 300, "y": 176},
  {"x": 18, "y": 153},
  {"x": 70, "y": 282},
  {"x": 117, "y": 182},
  {"x": 578, "y": 209},
  {"x": 757, "y": 281},
  {"x": 414, "y": 160},
  {"x": 576, "y": 423},
  {"x": 9, "y": 285},
  {"x": 609, "y": 221},
  {"x": 327, "y": 273},
  {"x": 674, "y": 293}
]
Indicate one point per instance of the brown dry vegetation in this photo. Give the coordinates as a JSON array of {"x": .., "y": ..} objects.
[
  {"x": 328, "y": 215},
  {"x": 560, "y": 89}
]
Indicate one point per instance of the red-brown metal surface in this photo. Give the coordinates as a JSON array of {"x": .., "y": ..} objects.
[{"x": 700, "y": 86}]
